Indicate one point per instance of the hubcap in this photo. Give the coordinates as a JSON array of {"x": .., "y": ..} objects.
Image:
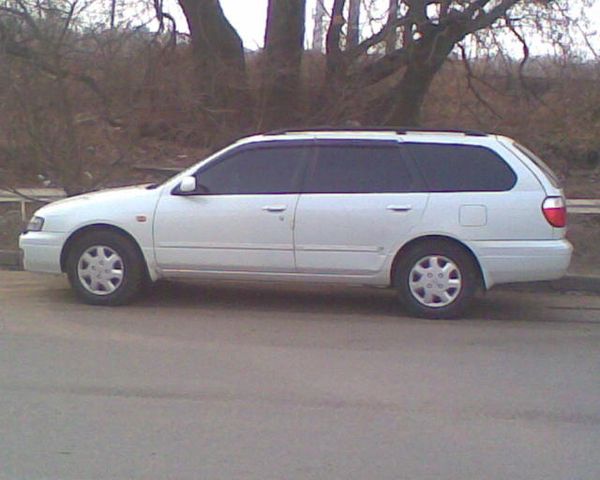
[
  {"x": 435, "y": 281},
  {"x": 100, "y": 270}
]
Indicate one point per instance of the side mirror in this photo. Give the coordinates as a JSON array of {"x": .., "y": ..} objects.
[{"x": 188, "y": 185}]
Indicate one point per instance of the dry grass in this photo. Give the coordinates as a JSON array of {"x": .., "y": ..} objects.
[{"x": 155, "y": 113}]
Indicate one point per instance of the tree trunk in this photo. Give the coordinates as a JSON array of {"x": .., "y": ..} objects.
[
  {"x": 319, "y": 29},
  {"x": 408, "y": 98},
  {"x": 219, "y": 55},
  {"x": 335, "y": 55},
  {"x": 284, "y": 44},
  {"x": 113, "y": 13},
  {"x": 392, "y": 39},
  {"x": 353, "y": 36},
  {"x": 426, "y": 61},
  {"x": 325, "y": 105}
]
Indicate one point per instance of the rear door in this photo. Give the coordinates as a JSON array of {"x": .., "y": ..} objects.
[{"x": 360, "y": 200}]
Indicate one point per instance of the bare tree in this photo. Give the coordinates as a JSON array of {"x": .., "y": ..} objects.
[
  {"x": 391, "y": 41},
  {"x": 353, "y": 35},
  {"x": 113, "y": 13},
  {"x": 318, "y": 28},
  {"x": 284, "y": 44},
  {"x": 59, "y": 88},
  {"x": 76, "y": 98},
  {"x": 35, "y": 37},
  {"x": 219, "y": 56},
  {"x": 430, "y": 32}
]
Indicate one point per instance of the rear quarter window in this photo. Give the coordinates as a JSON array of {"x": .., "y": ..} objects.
[
  {"x": 461, "y": 168},
  {"x": 554, "y": 180}
]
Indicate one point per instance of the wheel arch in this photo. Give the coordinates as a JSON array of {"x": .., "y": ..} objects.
[
  {"x": 442, "y": 239},
  {"x": 97, "y": 227}
]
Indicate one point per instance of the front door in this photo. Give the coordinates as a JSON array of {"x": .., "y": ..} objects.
[{"x": 241, "y": 216}]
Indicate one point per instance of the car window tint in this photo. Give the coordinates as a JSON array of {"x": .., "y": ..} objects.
[
  {"x": 359, "y": 169},
  {"x": 267, "y": 170},
  {"x": 456, "y": 168}
]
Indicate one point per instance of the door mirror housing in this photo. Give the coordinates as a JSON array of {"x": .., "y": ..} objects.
[{"x": 188, "y": 185}]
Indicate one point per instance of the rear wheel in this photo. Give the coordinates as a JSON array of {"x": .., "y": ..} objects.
[
  {"x": 105, "y": 268},
  {"x": 436, "y": 279}
]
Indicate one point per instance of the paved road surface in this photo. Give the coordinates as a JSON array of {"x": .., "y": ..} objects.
[{"x": 262, "y": 382}]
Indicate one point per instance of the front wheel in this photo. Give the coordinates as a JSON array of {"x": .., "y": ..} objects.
[
  {"x": 436, "y": 279},
  {"x": 105, "y": 268}
]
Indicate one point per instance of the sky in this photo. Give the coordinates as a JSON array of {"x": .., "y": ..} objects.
[{"x": 249, "y": 18}]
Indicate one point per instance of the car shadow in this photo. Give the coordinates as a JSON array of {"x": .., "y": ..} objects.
[
  {"x": 324, "y": 300},
  {"x": 269, "y": 297},
  {"x": 319, "y": 300}
]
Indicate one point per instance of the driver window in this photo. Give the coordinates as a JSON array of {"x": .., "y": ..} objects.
[{"x": 266, "y": 170}]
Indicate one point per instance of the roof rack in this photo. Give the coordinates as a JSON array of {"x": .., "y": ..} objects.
[
  {"x": 467, "y": 132},
  {"x": 397, "y": 130}
]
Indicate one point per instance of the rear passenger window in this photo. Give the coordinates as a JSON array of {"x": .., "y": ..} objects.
[
  {"x": 462, "y": 168},
  {"x": 359, "y": 169}
]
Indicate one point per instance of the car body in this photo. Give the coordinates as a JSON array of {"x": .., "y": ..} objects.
[{"x": 349, "y": 207}]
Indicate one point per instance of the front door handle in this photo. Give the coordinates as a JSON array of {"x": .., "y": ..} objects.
[
  {"x": 275, "y": 208},
  {"x": 399, "y": 208}
]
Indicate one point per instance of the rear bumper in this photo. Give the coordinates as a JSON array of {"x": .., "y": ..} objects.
[
  {"x": 41, "y": 251},
  {"x": 522, "y": 261}
]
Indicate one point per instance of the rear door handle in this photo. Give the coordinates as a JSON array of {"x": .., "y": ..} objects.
[
  {"x": 399, "y": 208},
  {"x": 275, "y": 208}
]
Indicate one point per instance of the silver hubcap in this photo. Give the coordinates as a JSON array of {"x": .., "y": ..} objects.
[
  {"x": 100, "y": 270},
  {"x": 435, "y": 281}
]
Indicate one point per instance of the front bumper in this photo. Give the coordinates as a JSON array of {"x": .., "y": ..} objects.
[
  {"x": 41, "y": 251},
  {"x": 522, "y": 261}
]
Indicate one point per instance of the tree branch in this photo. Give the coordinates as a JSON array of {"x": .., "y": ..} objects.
[
  {"x": 378, "y": 37},
  {"x": 484, "y": 20},
  {"x": 471, "y": 87}
]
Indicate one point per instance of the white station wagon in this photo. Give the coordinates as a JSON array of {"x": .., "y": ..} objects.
[{"x": 436, "y": 215}]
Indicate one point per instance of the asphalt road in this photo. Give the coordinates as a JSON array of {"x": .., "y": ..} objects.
[{"x": 233, "y": 381}]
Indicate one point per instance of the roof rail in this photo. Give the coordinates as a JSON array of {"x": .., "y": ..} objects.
[
  {"x": 397, "y": 130},
  {"x": 467, "y": 132},
  {"x": 282, "y": 131}
]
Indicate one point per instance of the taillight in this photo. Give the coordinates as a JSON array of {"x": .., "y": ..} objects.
[{"x": 555, "y": 211}]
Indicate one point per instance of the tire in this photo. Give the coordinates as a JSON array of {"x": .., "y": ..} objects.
[
  {"x": 105, "y": 268},
  {"x": 422, "y": 266}
]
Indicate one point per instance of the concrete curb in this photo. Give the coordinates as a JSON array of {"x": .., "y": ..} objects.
[
  {"x": 12, "y": 260},
  {"x": 586, "y": 283},
  {"x": 569, "y": 283}
]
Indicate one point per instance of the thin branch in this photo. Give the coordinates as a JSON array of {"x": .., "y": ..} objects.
[
  {"x": 484, "y": 20},
  {"x": 25, "y": 53},
  {"x": 470, "y": 77},
  {"x": 67, "y": 23}
]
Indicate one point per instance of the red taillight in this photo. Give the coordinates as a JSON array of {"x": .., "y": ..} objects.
[{"x": 555, "y": 211}]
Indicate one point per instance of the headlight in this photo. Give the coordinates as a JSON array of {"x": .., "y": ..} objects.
[{"x": 35, "y": 224}]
